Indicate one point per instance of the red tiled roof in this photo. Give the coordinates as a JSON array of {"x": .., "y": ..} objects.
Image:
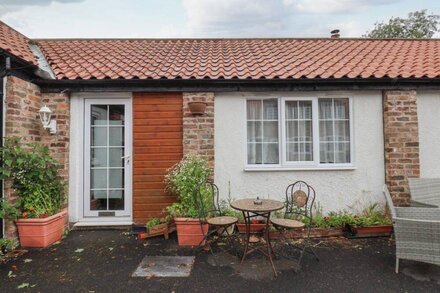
[
  {"x": 16, "y": 43},
  {"x": 242, "y": 58},
  {"x": 230, "y": 58}
]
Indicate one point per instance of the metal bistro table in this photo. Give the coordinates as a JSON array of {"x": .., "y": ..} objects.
[{"x": 251, "y": 208}]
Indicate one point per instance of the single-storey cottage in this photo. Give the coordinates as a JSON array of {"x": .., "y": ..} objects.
[{"x": 345, "y": 115}]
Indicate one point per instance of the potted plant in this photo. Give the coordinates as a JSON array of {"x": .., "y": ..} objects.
[
  {"x": 40, "y": 193},
  {"x": 181, "y": 181},
  {"x": 256, "y": 225},
  {"x": 371, "y": 223},
  {"x": 155, "y": 224},
  {"x": 156, "y": 227}
]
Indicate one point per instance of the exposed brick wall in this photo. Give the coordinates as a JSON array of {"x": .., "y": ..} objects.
[
  {"x": 22, "y": 102},
  {"x": 58, "y": 144},
  {"x": 401, "y": 135},
  {"x": 198, "y": 131}
]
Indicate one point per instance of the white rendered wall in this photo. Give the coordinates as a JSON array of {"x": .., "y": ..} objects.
[
  {"x": 428, "y": 112},
  {"x": 352, "y": 190}
]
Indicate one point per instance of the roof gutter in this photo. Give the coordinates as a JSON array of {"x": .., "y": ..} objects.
[
  {"x": 234, "y": 85},
  {"x": 19, "y": 65}
]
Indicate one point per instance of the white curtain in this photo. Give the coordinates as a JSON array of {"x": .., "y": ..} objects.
[
  {"x": 262, "y": 131},
  {"x": 253, "y": 110},
  {"x": 254, "y": 130},
  {"x": 299, "y": 131},
  {"x": 334, "y": 131}
]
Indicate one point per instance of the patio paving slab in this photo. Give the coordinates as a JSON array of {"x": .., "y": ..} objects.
[
  {"x": 165, "y": 266},
  {"x": 104, "y": 261}
]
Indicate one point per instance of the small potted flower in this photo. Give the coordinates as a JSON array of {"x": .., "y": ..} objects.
[
  {"x": 40, "y": 193},
  {"x": 181, "y": 181}
]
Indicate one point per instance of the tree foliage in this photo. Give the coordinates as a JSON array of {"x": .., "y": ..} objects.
[{"x": 419, "y": 24}]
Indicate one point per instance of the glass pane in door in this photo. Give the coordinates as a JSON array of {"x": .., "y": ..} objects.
[{"x": 106, "y": 157}]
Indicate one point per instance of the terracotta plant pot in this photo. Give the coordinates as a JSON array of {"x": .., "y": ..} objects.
[
  {"x": 190, "y": 232},
  {"x": 370, "y": 231},
  {"x": 41, "y": 232},
  {"x": 197, "y": 108},
  {"x": 157, "y": 228},
  {"x": 254, "y": 228}
]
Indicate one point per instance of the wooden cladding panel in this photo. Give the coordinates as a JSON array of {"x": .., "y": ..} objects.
[{"x": 157, "y": 145}]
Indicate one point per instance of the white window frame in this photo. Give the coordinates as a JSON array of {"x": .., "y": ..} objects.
[
  {"x": 302, "y": 165},
  {"x": 279, "y": 133},
  {"x": 283, "y": 137}
]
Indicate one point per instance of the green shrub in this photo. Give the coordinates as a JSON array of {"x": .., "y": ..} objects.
[
  {"x": 369, "y": 217},
  {"x": 34, "y": 178},
  {"x": 182, "y": 179}
]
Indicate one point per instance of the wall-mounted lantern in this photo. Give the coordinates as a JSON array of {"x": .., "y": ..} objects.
[{"x": 48, "y": 123}]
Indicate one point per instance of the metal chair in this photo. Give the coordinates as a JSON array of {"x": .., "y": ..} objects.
[
  {"x": 299, "y": 202},
  {"x": 209, "y": 212}
]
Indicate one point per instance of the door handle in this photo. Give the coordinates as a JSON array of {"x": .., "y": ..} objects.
[{"x": 126, "y": 158}]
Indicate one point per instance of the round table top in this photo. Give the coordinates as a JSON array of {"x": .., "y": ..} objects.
[{"x": 247, "y": 205}]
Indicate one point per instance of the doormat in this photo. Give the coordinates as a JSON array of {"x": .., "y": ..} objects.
[{"x": 165, "y": 266}]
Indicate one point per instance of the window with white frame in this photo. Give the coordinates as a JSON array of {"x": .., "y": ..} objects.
[
  {"x": 262, "y": 132},
  {"x": 334, "y": 131},
  {"x": 299, "y": 131}
]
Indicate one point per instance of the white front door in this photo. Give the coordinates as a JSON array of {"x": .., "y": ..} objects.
[{"x": 107, "y": 159}]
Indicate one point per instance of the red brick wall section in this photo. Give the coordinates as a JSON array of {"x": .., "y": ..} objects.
[
  {"x": 401, "y": 135},
  {"x": 22, "y": 102},
  {"x": 58, "y": 144},
  {"x": 198, "y": 131}
]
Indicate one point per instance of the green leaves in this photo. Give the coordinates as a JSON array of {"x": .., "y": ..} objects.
[
  {"x": 369, "y": 217},
  {"x": 9, "y": 210},
  {"x": 34, "y": 178},
  {"x": 181, "y": 181},
  {"x": 418, "y": 25},
  {"x": 153, "y": 222}
]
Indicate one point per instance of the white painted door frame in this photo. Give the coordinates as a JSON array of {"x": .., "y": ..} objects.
[
  {"x": 79, "y": 154},
  {"x": 126, "y": 158}
]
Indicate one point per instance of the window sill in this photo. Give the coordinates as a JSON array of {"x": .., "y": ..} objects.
[{"x": 303, "y": 168}]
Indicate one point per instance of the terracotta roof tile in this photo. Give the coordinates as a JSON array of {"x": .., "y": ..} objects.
[
  {"x": 242, "y": 58},
  {"x": 16, "y": 44}
]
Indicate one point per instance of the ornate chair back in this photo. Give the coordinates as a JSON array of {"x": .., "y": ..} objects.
[
  {"x": 300, "y": 197},
  {"x": 206, "y": 200}
]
